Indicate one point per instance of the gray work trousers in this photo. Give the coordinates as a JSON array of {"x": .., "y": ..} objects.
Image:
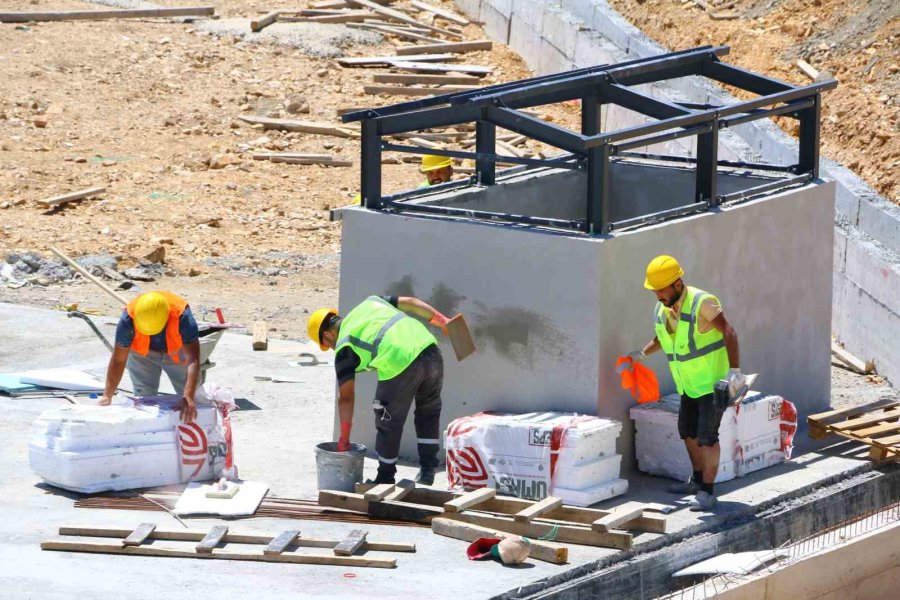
[
  {"x": 145, "y": 372},
  {"x": 421, "y": 380}
]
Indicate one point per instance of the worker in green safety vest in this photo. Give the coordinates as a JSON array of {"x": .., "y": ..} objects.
[
  {"x": 437, "y": 169},
  {"x": 379, "y": 334},
  {"x": 702, "y": 348}
]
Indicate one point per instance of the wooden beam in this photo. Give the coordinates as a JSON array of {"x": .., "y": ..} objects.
[
  {"x": 353, "y": 16},
  {"x": 440, "y": 12},
  {"x": 469, "y": 500},
  {"x": 137, "y": 537},
  {"x": 280, "y": 543},
  {"x": 416, "y": 78},
  {"x": 401, "y": 490},
  {"x": 379, "y": 491},
  {"x": 418, "y": 66},
  {"x": 538, "y": 508},
  {"x": 468, "y": 532},
  {"x": 808, "y": 69},
  {"x": 369, "y": 61},
  {"x": 404, "y": 511},
  {"x": 617, "y": 517},
  {"x": 457, "y": 47},
  {"x": 264, "y": 21},
  {"x": 574, "y": 534},
  {"x": 410, "y": 90},
  {"x": 395, "y": 15},
  {"x": 98, "y": 15},
  {"x": 212, "y": 539},
  {"x": 354, "y": 540},
  {"x": 326, "y": 4},
  {"x": 287, "y": 557},
  {"x": 301, "y": 126},
  {"x": 300, "y": 159},
  {"x": 260, "y": 335},
  {"x": 72, "y": 196},
  {"x": 399, "y": 32},
  {"x": 861, "y": 367}
]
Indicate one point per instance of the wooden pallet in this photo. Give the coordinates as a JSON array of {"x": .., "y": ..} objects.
[
  {"x": 876, "y": 425},
  {"x": 207, "y": 544},
  {"x": 548, "y": 518}
]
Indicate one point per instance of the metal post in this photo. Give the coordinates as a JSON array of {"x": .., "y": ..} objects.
[
  {"x": 370, "y": 172},
  {"x": 810, "y": 119},
  {"x": 485, "y": 143},
  {"x": 598, "y": 189},
  {"x": 590, "y": 115},
  {"x": 707, "y": 162}
]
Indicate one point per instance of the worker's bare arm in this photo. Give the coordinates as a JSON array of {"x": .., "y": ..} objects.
[
  {"x": 346, "y": 399},
  {"x": 411, "y": 305},
  {"x": 114, "y": 372},
  {"x": 192, "y": 355},
  {"x": 731, "y": 341},
  {"x": 652, "y": 346}
]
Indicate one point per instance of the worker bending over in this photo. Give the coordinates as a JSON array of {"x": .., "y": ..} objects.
[
  {"x": 157, "y": 333},
  {"x": 702, "y": 348},
  {"x": 379, "y": 335}
]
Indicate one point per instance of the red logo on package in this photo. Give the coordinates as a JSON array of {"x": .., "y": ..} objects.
[
  {"x": 465, "y": 467},
  {"x": 194, "y": 447}
]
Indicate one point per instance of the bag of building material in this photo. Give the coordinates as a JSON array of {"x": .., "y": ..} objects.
[
  {"x": 133, "y": 443},
  {"x": 536, "y": 455}
]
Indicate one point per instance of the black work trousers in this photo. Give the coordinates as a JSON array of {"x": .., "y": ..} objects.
[{"x": 420, "y": 381}]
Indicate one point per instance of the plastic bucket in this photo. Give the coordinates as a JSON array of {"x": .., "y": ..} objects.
[{"x": 339, "y": 471}]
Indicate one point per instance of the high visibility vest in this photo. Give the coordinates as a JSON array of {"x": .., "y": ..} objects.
[
  {"x": 697, "y": 360},
  {"x": 384, "y": 338},
  {"x": 424, "y": 184},
  {"x": 174, "y": 343}
]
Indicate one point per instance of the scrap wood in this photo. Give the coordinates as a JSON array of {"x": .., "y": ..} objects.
[
  {"x": 72, "y": 196},
  {"x": 618, "y": 516},
  {"x": 294, "y": 158},
  {"x": 351, "y": 16},
  {"x": 326, "y": 4},
  {"x": 395, "y": 15},
  {"x": 411, "y": 90},
  {"x": 301, "y": 126},
  {"x": 469, "y": 499},
  {"x": 468, "y": 532},
  {"x": 393, "y": 31},
  {"x": 575, "y": 534},
  {"x": 807, "y": 69},
  {"x": 353, "y": 542},
  {"x": 418, "y": 65},
  {"x": 260, "y": 335},
  {"x": 449, "y": 136},
  {"x": 538, "y": 508},
  {"x": 458, "y": 47},
  {"x": 96, "y": 15},
  {"x": 876, "y": 424},
  {"x": 440, "y": 12},
  {"x": 368, "y": 61},
  {"x": 854, "y": 363},
  {"x": 264, "y": 21},
  {"x": 84, "y": 273},
  {"x": 417, "y": 78}
]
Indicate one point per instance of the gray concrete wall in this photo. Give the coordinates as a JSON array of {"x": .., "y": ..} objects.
[
  {"x": 551, "y": 312},
  {"x": 558, "y": 35}
]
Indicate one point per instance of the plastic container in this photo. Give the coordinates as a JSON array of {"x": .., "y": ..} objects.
[{"x": 339, "y": 471}]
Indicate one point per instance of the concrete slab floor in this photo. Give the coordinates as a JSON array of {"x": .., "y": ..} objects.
[{"x": 275, "y": 445}]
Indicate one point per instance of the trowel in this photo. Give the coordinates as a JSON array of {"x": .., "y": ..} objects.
[
  {"x": 458, "y": 330},
  {"x": 723, "y": 395}
]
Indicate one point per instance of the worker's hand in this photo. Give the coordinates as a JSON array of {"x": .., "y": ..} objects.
[
  {"x": 188, "y": 410},
  {"x": 344, "y": 441},
  {"x": 103, "y": 401},
  {"x": 637, "y": 355},
  {"x": 736, "y": 381},
  {"x": 440, "y": 320}
]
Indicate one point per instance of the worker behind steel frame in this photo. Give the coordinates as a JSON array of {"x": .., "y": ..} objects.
[
  {"x": 157, "y": 332},
  {"x": 702, "y": 348},
  {"x": 379, "y": 335}
]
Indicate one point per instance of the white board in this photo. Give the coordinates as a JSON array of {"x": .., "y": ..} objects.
[
  {"x": 245, "y": 502},
  {"x": 63, "y": 379}
]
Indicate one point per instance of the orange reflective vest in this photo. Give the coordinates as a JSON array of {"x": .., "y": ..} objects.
[{"x": 174, "y": 343}]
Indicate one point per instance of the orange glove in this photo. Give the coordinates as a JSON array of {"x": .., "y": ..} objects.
[
  {"x": 344, "y": 440},
  {"x": 440, "y": 321}
]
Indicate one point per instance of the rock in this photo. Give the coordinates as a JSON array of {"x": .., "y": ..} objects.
[
  {"x": 296, "y": 105},
  {"x": 220, "y": 161},
  {"x": 157, "y": 255},
  {"x": 5, "y": 146},
  {"x": 231, "y": 186},
  {"x": 40, "y": 122},
  {"x": 139, "y": 274},
  {"x": 322, "y": 73},
  {"x": 163, "y": 240},
  {"x": 112, "y": 274},
  {"x": 194, "y": 272},
  {"x": 105, "y": 231},
  {"x": 4, "y": 205},
  {"x": 80, "y": 159},
  {"x": 108, "y": 163},
  {"x": 235, "y": 124}
]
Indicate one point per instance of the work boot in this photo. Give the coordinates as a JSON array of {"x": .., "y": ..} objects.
[
  {"x": 379, "y": 479},
  {"x": 703, "y": 502},
  {"x": 425, "y": 476},
  {"x": 684, "y": 488}
]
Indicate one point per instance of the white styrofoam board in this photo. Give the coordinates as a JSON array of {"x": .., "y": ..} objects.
[{"x": 245, "y": 502}]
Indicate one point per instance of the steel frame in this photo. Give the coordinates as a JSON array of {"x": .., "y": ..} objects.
[{"x": 591, "y": 149}]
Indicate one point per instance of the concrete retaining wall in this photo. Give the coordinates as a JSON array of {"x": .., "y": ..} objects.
[{"x": 558, "y": 35}]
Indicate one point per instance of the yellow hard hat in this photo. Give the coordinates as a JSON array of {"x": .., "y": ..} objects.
[
  {"x": 357, "y": 199},
  {"x": 430, "y": 162},
  {"x": 314, "y": 325},
  {"x": 151, "y": 312},
  {"x": 662, "y": 272}
]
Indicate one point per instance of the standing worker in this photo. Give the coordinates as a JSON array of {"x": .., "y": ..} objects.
[
  {"x": 157, "y": 332},
  {"x": 379, "y": 335},
  {"x": 702, "y": 348}
]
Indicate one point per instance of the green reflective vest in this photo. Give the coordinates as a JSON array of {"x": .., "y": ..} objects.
[
  {"x": 697, "y": 360},
  {"x": 384, "y": 338},
  {"x": 424, "y": 184}
]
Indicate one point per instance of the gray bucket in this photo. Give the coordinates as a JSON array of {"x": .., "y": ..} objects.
[{"x": 339, "y": 470}]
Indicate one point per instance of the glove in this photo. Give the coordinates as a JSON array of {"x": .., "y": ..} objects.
[
  {"x": 440, "y": 321},
  {"x": 637, "y": 355},
  {"x": 344, "y": 441},
  {"x": 736, "y": 381}
]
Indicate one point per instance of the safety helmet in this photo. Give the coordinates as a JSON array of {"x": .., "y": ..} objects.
[
  {"x": 151, "y": 313},
  {"x": 430, "y": 162},
  {"x": 662, "y": 272},
  {"x": 314, "y": 325}
]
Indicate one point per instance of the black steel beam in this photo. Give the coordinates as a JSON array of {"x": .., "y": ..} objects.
[
  {"x": 426, "y": 119},
  {"x": 810, "y": 120},
  {"x": 707, "y": 162},
  {"x": 370, "y": 165},
  {"x": 692, "y": 160},
  {"x": 535, "y": 128},
  {"x": 746, "y": 194},
  {"x": 649, "y": 128},
  {"x": 753, "y": 115},
  {"x": 598, "y": 189},
  {"x": 741, "y": 78},
  {"x": 552, "y": 163},
  {"x": 450, "y": 211},
  {"x": 664, "y": 137},
  {"x": 590, "y": 115},
  {"x": 485, "y": 143},
  {"x": 796, "y": 93},
  {"x": 657, "y": 217},
  {"x": 638, "y": 102}
]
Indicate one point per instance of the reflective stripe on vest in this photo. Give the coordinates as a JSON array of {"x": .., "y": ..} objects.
[
  {"x": 174, "y": 343},
  {"x": 696, "y": 360}
]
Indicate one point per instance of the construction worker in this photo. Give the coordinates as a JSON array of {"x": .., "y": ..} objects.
[
  {"x": 702, "y": 348},
  {"x": 437, "y": 169},
  {"x": 379, "y": 335},
  {"x": 157, "y": 333}
]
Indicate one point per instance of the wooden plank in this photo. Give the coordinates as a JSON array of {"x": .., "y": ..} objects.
[
  {"x": 301, "y": 126},
  {"x": 353, "y": 16},
  {"x": 194, "y": 535},
  {"x": 304, "y": 559},
  {"x": 364, "y": 61},
  {"x": 420, "y": 79},
  {"x": 395, "y": 15},
  {"x": 137, "y": 537},
  {"x": 807, "y": 69},
  {"x": 872, "y": 432},
  {"x": 468, "y": 532},
  {"x": 616, "y": 518},
  {"x": 440, "y": 12},
  {"x": 401, "y": 490},
  {"x": 260, "y": 335},
  {"x": 212, "y": 539},
  {"x": 308, "y": 156},
  {"x": 280, "y": 543},
  {"x": 868, "y": 419},
  {"x": 457, "y": 47},
  {"x": 334, "y": 4},
  {"x": 403, "y": 511},
  {"x": 538, "y": 508},
  {"x": 831, "y": 416},
  {"x": 402, "y": 90},
  {"x": 72, "y": 196},
  {"x": 264, "y": 21},
  {"x": 460, "y": 338},
  {"x": 469, "y": 500},
  {"x": 573, "y": 534},
  {"x": 417, "y": 66},
  {"x": 299, "y": 159},
  {"x": 350, "y": 544},
  {"x": 97, "y": 15},
  {"x": 858, "y": 365},
  {"x": 379, "y": 491},
  {"x": 397, "y": 31}
]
